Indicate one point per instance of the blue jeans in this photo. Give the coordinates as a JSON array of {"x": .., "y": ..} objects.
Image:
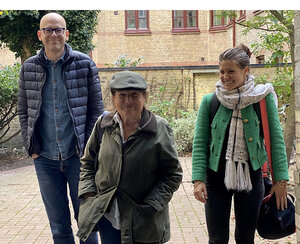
[
  {"x": 218, "y": 207},
  {"x": 54, "y": 177}
]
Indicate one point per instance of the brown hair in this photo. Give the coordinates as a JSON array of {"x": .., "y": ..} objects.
[{"x": 240, "y": 55}]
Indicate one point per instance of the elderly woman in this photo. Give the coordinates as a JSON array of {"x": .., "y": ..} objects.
[{"x": 130, "y": 170}]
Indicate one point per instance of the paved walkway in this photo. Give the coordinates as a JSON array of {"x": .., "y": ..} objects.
[{"x": 23, "y": 218}]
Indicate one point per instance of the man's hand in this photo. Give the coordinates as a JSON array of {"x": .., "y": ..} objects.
[
  {"x": 34, "y": 156},
  {"x": 200, "y": 192}
]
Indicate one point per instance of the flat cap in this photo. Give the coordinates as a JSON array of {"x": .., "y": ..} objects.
[{"x": 126, "y": 80}]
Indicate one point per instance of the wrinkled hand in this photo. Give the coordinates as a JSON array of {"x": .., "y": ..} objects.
[
  {"x": 280, "y": 190},
  {"x": 200, "y": 192}
]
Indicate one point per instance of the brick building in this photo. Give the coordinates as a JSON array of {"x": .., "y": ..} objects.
[
  {"x": 179, "y": 48},
  {"x": 297, "y": 116}
]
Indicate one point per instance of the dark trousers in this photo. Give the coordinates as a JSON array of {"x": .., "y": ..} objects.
[
  {"x": 110, "y": 235},
  {"x": 246, "y": 208}
]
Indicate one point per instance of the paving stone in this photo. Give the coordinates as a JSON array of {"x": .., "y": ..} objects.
[{"x": 23, "y": 218}]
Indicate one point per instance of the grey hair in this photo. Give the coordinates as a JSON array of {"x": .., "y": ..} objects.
[{"x": 240, "y": 55}]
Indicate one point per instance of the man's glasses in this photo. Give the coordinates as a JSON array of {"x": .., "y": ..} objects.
[{"x": 49, "y": 31}]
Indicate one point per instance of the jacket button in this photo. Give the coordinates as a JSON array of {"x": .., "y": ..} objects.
[
  {"x": 245, "y": 121},
  {"x": 250, "y": 139}
]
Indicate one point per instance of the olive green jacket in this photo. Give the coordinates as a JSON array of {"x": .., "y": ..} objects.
[
  {"x": 143, "y": 171},
  {"x": 206, "y": 152}
]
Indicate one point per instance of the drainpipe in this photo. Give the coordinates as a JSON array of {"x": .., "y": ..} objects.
[{"x": 233, "y": 32}]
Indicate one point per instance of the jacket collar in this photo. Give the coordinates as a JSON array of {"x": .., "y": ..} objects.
[
  {"x": 148, "y": 121},
  {"x": 41, "y": 56}
]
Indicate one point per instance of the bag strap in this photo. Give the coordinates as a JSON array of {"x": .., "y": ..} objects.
[
  {"x": 101, "y": 132},
  {"x": 101, "y": 129},
  {"x": 214, "y": 106},
  {"x": 265, "y": 124}
]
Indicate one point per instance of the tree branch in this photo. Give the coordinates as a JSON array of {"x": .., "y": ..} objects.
[
  {"x": 282, "y": 20},
  {"x": 5, "y": 132},
  {"x": 9, "y": 138},
  {"x": 256, "y": 28}
]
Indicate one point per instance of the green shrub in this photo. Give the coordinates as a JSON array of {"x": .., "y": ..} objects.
[
  {"x": 9, "y": 77},
  {"x": 184, "y": 129}
]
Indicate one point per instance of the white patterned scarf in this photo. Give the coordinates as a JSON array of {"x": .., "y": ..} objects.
[{"x": 237, "y": 174}]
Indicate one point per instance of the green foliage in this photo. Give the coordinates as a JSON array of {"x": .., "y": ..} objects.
[
  {"x": 125, "y": 60},
  {"x": 181, "y": 121},
  {"x": 161, "y": 106},
  {"x": 275, "y": 38},
  {"x": 9, "y": 77},
  {"x": 18, "y": 30},
  {"x": 82, "y": 27},
  {"x": 184, "y": 129}
]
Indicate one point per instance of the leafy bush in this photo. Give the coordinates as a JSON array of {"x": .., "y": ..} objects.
[
  {"x": 125, "y": 60},
  {"x": 9, "y": 76},
  {"x": 181, "y": 121},
  {"x": 184, "y": 129}
]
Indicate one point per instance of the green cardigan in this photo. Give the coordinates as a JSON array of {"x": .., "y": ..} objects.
[{"x": 206, "y": 152}]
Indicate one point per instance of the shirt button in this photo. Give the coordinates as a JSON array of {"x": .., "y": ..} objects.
[
  {"x": 250, "y": 139},
  {"x": 56, "y": 110},
  {"x": 245, "y": 121},
  {"x": 57, "y": 125}
]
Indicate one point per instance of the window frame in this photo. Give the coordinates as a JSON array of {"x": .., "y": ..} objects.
[
  {"x": 242, "y": 15},
  {"x": 136, "y": 30},
  {"x": 213, "y": 27},
  {"x": 185, "y": 28}
]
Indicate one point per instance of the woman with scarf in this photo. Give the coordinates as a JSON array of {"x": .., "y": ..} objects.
[{"x": 228, "y": 153}]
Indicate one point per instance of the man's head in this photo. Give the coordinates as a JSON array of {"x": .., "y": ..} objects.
[{"x": 53, "y": 33}]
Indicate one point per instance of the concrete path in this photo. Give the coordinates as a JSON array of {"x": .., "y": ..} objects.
[{"x": 23, "y": 218}]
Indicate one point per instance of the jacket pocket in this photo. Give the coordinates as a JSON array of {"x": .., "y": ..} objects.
[{"x": 147, "y": 227}]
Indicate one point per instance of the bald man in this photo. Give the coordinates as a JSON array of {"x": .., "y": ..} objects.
[{"x": 59, "y": 101}]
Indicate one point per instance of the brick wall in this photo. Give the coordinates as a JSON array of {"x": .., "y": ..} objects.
[
  {"x": 297, "y": 118},
  {"x": 162, "y": 47},
  {"x": 7, "y": 57},
  {"x": 186, "y": 86}
]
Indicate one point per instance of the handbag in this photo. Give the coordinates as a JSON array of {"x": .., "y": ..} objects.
[{"x": 273, "y": 223}]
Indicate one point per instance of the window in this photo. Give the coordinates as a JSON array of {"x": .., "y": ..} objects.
[
  {"x": 137, "y": 21},
  {"x": 260, "y": 59},
  {"x": 185, "y": 21},
  {"x": 218, "y": 22},
  {"x": 242, "y": 15}
]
